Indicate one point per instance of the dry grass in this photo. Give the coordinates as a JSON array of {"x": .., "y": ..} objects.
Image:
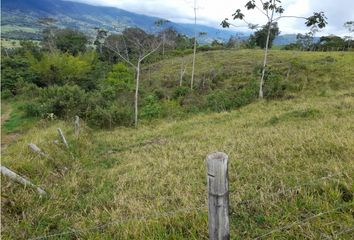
[{"x": 289, "y": 161}]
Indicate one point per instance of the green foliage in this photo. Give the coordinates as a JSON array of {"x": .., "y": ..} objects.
[
  {"x": 274, "y": 87},
  {"x": 62, "y": 68},
  {"x": 70, "y": 41},
  {"x": 121, "y": 78},
  {"x": 15, "y": 69},
  {"x": 224, "y": 100},
  {"x": 151, "y": 108},
  {"x": 181, "y": 91},
  {"x": 260, "y": 36},
  {"x": 110, "y": 116},
  {"x": 63, "y": 101},
  {"x": 220, "y": 100}
]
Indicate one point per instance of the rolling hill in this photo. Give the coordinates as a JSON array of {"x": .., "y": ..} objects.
[{"x": 20, "y": 19}]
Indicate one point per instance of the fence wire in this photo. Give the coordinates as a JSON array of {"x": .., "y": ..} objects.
[
  {"x": 304, "y": 221},
  {"x": 121, "y": 221}
]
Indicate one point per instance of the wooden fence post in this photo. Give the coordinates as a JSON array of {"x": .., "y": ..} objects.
[
  {"x": 36, "y": 149},
  {"x": 14, "y": 176},
  {"x": 77, "y": 126},
  {"x": 218, "y": 196},
  {"x": 63, "y": 137}
]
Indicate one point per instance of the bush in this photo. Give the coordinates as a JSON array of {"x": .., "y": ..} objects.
[
  {"x": 63, "y": 101},
  {"x": 273, "y": 85},
  {"x": 151, "y": 108},
  {"x": 111, "y": 116},
  {"x": 180, "y": 91},
  {"x": 171, "y": 109},
  {"x": 6, "y": 94},
  {"x": 220, "y": 100}
]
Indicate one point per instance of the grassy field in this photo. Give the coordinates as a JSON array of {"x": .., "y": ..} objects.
[{"x": 291, "y": 164}]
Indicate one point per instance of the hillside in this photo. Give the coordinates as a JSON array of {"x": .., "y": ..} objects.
[
  {"x": 291, "y": 162},
  {"x": 19, "y": 18}
]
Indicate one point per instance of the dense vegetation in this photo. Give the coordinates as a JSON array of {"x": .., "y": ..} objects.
[
  {"x": 291, "y": 164},
  {"x": 290, "y": 159},
  {"x": 65, "y": 76}
]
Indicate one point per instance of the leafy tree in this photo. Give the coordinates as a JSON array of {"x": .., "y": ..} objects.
[
  {"x": 261, "y": 35},
  {"x": 306, "y": 41},
  {"x": 133, "y": 46},
  {"x": 99, "y": 41},
  {"x": 70, "y": 41},
  {"x": 273, "y": 11},
  {"x": 121, "y": 77},
  {"x": 62, "y": 68}
]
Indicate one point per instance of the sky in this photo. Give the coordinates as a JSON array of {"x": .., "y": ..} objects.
[{"x": 212, "y": 12}]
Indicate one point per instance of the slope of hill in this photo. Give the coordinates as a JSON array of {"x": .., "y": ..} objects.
[
  {"x": 20, "y": 16},
  {"x": 291, "y": 164}
]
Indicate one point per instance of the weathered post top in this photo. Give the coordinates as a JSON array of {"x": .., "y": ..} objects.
[
  {"x": 217, "y": 173},
  {"x": 218, "y": 196}
]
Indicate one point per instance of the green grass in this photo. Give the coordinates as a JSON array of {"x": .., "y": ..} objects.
[
  {"x": 289, "y": 160},
  {"x": 12, "y": 43},
  {"x": 17, "y": 121},
  {"x": 8, "y": 28}
]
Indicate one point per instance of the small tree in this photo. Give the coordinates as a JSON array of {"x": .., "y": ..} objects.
[
  {"x": 48, "y": 33},
  {"x": 71, "y": 41},
  {"x": 101, "y": 35},
  {"x": 349, "y": 25},
  {"x": 160, "y": 23},
  {"x": 273, "y": 11},
  {"x": 306, "y": 41},
  {"x": 261, "y": 35},
  {"x": 195, "y": 42},
  {"x": 133, "y": 46}
]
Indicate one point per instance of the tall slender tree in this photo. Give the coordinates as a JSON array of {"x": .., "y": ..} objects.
[
  {"x": 195, "y": 42},
  {"x": 160, "y": 23},
  {"x": 133, "y": 46},
  {"x": 273, "y": 12}
]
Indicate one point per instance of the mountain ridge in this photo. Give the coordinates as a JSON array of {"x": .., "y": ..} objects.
[{"x": 19, "y": 20}]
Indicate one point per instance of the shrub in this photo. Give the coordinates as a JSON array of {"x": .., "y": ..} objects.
[
  {"x": 63, "y": 101},
  {"x": 273, "y": 86},
  {"x": 114, "y": 115},
  {"x": 171, "y": 109},
  {"x": 6, "y": 94},
  {"x": 180, "y": 91},
  {"x": 151, "y": 108},
  {"x": 220, "y": 100}
]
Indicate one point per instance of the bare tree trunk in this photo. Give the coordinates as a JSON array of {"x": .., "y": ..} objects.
[
  {"x": 264, "y": 62},
  {"x": 163, "y": 45},
  {"x": 195, "y": 41},
  {"x": 136, "y": 94},
  {"x": 270, "y": 21},
  {"x": 183, "y": 70}
]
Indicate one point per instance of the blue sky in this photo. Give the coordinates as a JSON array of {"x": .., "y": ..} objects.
[{"x": 212, "y": 12}]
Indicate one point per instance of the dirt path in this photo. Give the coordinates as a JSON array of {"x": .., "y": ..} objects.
[{"x": 6, "y": 138}]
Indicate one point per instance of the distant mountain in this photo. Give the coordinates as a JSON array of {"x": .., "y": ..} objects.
[
  {"x": 286, "y": 39},
  {"x": 19, "y": 19}
]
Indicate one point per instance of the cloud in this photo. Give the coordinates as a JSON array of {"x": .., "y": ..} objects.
[{"x": 211, "y": 12}]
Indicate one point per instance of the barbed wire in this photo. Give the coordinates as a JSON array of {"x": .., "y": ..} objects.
[
  {"x": 310, "y": 183},
  {"x": 121, "y": 221},
  {"x": 347, "y": 230},
  {"x": 303, "y": 221}
]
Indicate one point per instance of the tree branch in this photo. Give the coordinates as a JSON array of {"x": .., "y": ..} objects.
[
  {"x": 278, "y": 18},
  {"x": 152, "y": 51},
  {"x": 120, "y": 55}
]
